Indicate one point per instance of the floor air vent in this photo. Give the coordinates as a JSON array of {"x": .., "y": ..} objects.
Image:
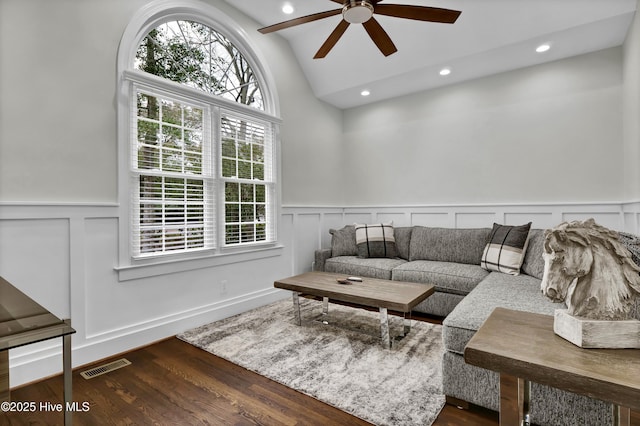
[{"x": 97, "y": 371}]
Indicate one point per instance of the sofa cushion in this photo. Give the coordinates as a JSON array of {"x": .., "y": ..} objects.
[
  {"x": 403, "y": 240},
  {"x": 352, "y": 265},
  {"x": 449, "y": 277},
  {"x": 448, "y": 244},
  {"x": 439, "y": 303},
  {"x": 521, "y": 293},
  {"x": 343, "y": 241},
  {"x": 376, "y": 240},
  {"x": 505, "y": 248},
  {"x": 533, "y": 262}
]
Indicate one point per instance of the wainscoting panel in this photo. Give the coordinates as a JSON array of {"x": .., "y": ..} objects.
[
  {"x": 618, "y": 216},
  {"x": 476, "y": 219},
  {"x": 397, "y": 218},
  {"x": 307, "y": 238},
  {"x": 352, "y": 217},
  {"x": 36, "y": 251},
  {"x": 613, "y": 220},
  {"x": 538, "y": 220},
  {"x": 330, "y": 220},
  {"x": 434, "y": 220},
  {"x": 65, "y": 256},
  {"x": 632, "y": 217}
]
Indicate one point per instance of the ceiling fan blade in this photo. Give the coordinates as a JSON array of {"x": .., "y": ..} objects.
[
  {"x": 380, "y": 37},
  {"x": 419, "y": 13},
  {"x": 338, "y": 1},
  {"x": 332, "y": 39},
  {"x": 301, "y": 20}
]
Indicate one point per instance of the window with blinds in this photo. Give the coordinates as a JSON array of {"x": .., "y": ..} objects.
[
  {"x": 172, "y": 176},
  {"x": 248, "y": 179},
  {"x": 201, "y": 145}
]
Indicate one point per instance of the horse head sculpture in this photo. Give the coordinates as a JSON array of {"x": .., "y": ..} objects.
[{"x": 588, "y": 268}]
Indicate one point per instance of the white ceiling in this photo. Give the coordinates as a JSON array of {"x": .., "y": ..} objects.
[{"x": 489, "y": 37}]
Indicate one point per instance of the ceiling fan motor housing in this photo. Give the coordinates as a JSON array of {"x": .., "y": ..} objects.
[{"x": 357, "y": 11}]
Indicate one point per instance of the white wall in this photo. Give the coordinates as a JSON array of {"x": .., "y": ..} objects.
[
  {"x": 58, "y": 200},
  {"x": 58, "y": 181},
  {"x": 57, "y": 70},
  {"x": 632, "y": 109},
  {"x": 548, "y": 133}
]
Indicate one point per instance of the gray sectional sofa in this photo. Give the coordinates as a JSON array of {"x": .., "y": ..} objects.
[{"x": 466, "y": 294}]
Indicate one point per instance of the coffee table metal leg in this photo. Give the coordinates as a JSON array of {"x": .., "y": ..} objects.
[
  {"x": 296, "y": 307},
  {"x": 384, "y": 328},
  {"x": 407, "y": 323},
  {"x": 621, "y": 416},
  {"x": 325, "y": 310}
]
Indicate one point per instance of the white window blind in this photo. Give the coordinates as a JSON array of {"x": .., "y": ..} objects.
[
  {"x": 172, "y": 176},
  {"x": 246, "y": 169}
]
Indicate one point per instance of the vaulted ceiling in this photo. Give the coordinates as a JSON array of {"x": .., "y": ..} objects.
[{"x": 489, "y": 37}]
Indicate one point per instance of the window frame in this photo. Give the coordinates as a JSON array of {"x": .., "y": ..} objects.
[
  {"x": 207, "y": 175},
  {"x": 270, "y": 184},
  {"x": 128, "y": 79}
]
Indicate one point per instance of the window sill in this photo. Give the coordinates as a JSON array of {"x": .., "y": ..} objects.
[{"x": 133, "y": 272}]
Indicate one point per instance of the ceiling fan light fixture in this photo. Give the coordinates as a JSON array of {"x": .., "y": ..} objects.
[
  {"x": 357, "y": 11},
  {"x": 287, "y": 8},
  {"x": 543, "y": 48}
]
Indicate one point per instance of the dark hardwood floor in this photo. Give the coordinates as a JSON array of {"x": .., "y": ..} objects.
[{"x": 173, "y": 383}]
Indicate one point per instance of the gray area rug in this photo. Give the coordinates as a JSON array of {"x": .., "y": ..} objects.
[{"x": 344, "y": 368}]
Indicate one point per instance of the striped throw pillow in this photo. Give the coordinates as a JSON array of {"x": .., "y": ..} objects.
[
  {"x": 506, "y": 248},
  {"x": 376, "y": 240}
]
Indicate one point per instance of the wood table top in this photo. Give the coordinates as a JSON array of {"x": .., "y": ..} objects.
[
  {"x": 395, "y": 295},
  {"x": 524, "y": 345}
]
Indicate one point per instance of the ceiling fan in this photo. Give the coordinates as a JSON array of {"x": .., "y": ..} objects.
[{"x": 361, "y": 12}]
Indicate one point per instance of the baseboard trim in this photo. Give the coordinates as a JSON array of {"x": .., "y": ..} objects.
[{"x": 29, "y": 366}]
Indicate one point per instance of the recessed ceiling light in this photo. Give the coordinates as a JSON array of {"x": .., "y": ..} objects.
[
  {"x": 365, "y": 93},
  {"x": 543, "y": 48},
  {"x": 287, "y": 8},
  {"x": 445, "y": 71}
]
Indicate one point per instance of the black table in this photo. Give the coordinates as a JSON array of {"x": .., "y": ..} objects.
[{"x": 22, "y": 322}]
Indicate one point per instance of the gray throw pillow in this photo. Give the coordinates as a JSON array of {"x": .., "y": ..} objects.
[
  {"x": 343, "y": 241},
  {"x": 533, "y": 262},
  {"x": 403, "y": 240}
]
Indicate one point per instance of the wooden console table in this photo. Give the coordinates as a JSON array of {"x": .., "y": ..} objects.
[
  {"x": 22, "y": 322},
  {"x": 523, "y": 348}
]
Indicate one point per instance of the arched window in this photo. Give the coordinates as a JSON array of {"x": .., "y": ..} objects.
[
  {"x": 197, "y": 56},
  {"x": 201, "y": 145}
]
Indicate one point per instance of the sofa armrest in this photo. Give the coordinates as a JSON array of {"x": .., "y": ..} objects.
[{"x": 320, "y": 257}]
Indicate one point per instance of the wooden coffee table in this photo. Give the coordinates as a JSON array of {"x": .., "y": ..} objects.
[
  {"x": 523, "y": 348},
  {"x": 382, "y": 294}
]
